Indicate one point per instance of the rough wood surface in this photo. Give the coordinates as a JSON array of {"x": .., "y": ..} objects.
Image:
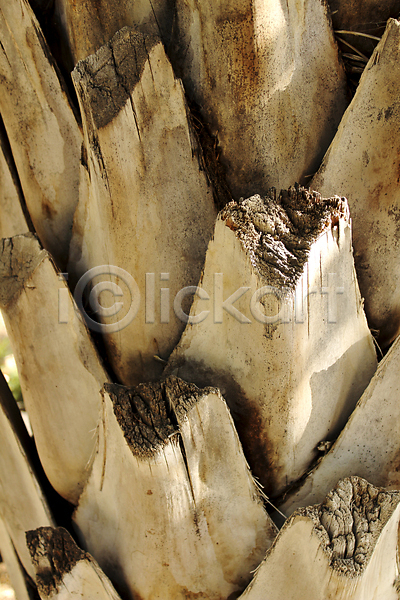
[
  {"x": 59, "y": 369},
  {"x": 22, "y": 501},
  {"x": 344, "y": 548},
  {"x": 64, "y": 571},
  {"x": 255, "y": 69},
  {"x": 368, "y": 446},
  {"x": 287, "y": 340},
  {"x": 363, "y": 164},
  {"x": 150, "y": 210},
  {"x": 12, "y": 215},
  {"x": 90, "y": 24},
  {"x": 44, "y": 136},
  {"x": 199, "y": 526}
]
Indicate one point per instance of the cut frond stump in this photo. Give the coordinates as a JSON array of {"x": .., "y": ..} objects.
[
  {"x": 64, "y": 571},
  {"x": 368, "y": 446},
  {"x": 150, "y": 213},
  {"x": 89, "y": 24},
  {"x": 287, "y": 343},
  {"x": 344, "y": 548},
  {"x": 22, "y": 502},
  {"x": 255, "y": 69},
  {"x": 59, "y": 369},
  {"x": 169, "y": 452},
  {"x": 363, "y": 164},
  {"x": 44, "y": 136}
]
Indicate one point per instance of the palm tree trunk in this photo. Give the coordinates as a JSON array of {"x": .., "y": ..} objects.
[{"x": 145, "y": 256}]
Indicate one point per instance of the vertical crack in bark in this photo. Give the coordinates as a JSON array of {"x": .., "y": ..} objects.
[{"x": 147, "y": 414}]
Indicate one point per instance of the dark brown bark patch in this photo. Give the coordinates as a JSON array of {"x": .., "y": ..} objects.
[
  {"x": 54, "y": 554},
  {"x": 277, "y": 231},
  {"x": 147, "y": 414}
]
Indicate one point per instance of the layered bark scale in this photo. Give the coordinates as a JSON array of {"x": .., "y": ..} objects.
[
  {"x": 22, "y": 502},
  {"x": 255, "y": 70},
  {"x": 293, "y": 372},
  {"x": 368, "y": 445},
  {"x": 363, "y": 164},
  {"x": 150, "y": 209},
  {"x": 343, "y": 548},
  {"x": 63, "y": 570},
  {"x": 200, "y": 525},
  {"x": 90, "y": 24},
  {"x": 60, "y": 371},
  {"x": 43, "y": 133}
]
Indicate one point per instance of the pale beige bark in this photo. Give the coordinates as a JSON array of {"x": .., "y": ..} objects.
[
  {"x": 342, "y": 549},
  {"x": 64, "y": 571},
  {"x": 294, "y": 354},
  {"x": 22, "y": 502},
  {"x": 150, "y": 210},
  {"x": 89, "y": 24},
  {"x": 199, "y": 525},
  {"x": 12, "y": 218},
  {"x": 44, "y": 136},
  {"x": 255, "y": 69},
  {"x": 16, "y": 573},
  {"x": 60, "y": 371},
  {"x": 369, "y": 444},
  {"x": 363, "y": 164}
]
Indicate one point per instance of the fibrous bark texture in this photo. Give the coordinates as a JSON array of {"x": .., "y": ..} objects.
[
  {"x": 287, "y": 341},
  {"x": 12, "y": 219},
  {"x": 343, "y": 548},
  {"x": 363, "y": 164},
  {"x": 90, "y": 24},
  {"x": 41, "y": 127},
  {"x": 200, "y": 525},
  {"x": 59, "y": 368},
  {"x": 369, "y": 443},
  {"x": 22, "y": 502},
  {"x": 150, "y": 212},
  {"x": 255, "y": 69},
  {"x": 63, "y": 570}
]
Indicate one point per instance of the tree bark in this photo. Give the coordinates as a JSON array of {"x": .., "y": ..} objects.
[
  {"x": 255, "y": 69},
  {"x": 115, "y": 177},
  {"x": 343, "y": 548},
  {"x": 60, "y": 371},
  {"x": 293, "y": 254},
  {"x": 148, "y": 196},
  {"x": 43, "y": 133},
  {"x": 363, "y": 164},
  {"x": 374, "y": 457},
  {"x": 63, "y": 570},
  {"x": 200, "y": 526}
]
